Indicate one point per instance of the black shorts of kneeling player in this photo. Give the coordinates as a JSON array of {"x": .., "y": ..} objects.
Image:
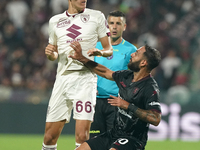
[{"x": 106, "y": 141}]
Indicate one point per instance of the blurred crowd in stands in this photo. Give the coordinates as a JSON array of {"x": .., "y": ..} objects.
[{"x": 171, "y": 26}]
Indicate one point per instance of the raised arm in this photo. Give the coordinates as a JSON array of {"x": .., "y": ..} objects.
[
  {"x": 106, "y": 51},
  {"x": 51, "y": 52},
  {"x": 95, "y": 67},
  {"x": 107, "y": 47}
]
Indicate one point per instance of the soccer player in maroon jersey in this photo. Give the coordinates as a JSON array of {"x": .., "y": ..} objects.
[{"x": 75, "y": 85}]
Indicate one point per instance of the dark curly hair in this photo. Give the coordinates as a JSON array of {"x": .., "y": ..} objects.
[{"x": 153, "y": 57}]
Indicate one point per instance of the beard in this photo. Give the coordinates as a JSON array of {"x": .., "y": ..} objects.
[{"x": 134, "y": 66}]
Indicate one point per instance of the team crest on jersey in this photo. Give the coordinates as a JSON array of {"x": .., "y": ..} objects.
[
  {"x": 135, "y": 90},
  {"x": 63, "y": 23},
  {"x": 85, "y": 18}
]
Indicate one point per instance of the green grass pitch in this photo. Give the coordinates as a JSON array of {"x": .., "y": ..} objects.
[{"x": 34, "y": 142}]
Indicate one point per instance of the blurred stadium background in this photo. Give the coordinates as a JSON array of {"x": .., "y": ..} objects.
[{"x": 27, "y": 77}]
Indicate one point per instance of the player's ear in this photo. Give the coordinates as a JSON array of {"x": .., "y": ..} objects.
[
  {"x": 124, "y": 27},
  {"x": 143, "y": 63}
]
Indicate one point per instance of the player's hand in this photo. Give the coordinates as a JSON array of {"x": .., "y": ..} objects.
[
  {"x": 51, "y": 52},
  {"x": 78, "y": 51},
  {"x": 117, "y": 101},
  {"x": 50, "y": 49},
  {"x": 95, "y": 52}
]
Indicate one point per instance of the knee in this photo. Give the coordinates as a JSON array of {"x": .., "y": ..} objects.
[
  {"x": 81, "y": 137},
  {"x": 49, "y": 139}
]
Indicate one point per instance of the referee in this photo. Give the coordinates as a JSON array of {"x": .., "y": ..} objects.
[{"x": 122, "y": 50}]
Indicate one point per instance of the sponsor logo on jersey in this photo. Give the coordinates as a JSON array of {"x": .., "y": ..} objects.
[
  {"x": 154, "y": 103},
  {"x": 124, "y": 113},
  {"x": 63, "y": 23},
  {"x": 70, "y": 41},
  {"x": 73, "y": 31},
  {"x": 85, "y": 18}
]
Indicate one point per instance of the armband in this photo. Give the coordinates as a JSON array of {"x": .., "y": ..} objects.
[{"x": 132, "y": 108}]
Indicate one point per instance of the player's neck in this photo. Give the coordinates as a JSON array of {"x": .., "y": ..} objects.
[
  {"x": 116, "y": 41},
  {"x": 140, "y": 75},
  {"x": 73, "y": 11}
]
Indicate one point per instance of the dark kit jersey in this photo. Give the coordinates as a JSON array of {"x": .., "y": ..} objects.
[{"x": 143, "y": 94}]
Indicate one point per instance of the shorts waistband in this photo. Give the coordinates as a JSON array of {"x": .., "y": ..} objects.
[{"x": 76, "y": 72}]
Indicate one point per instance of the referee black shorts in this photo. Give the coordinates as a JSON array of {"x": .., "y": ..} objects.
[{"x": 103, "y": 117}]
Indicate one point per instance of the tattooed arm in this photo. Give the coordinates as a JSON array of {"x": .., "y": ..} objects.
[{"x": 151, "y": 116}]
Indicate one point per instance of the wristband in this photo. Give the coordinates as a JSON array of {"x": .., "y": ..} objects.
[
  {"x": 132, "y": 108},
  {"x": 91, "y": 64}
]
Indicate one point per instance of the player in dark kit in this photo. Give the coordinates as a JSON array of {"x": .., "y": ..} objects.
[{"x": 137, "y": 103}]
